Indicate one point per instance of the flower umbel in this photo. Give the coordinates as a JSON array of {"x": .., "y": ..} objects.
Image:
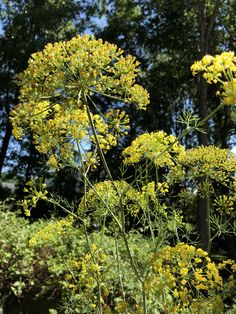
[{"x": 58, "y": 84}]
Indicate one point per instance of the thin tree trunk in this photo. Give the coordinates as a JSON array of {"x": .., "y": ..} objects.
[
  {"x": 201, "y": 82},
  {"x": 5, "y": 144},
  {"x": 202, "y": 109},
  {"x": 206, "y": 27},
  {"x": 8, "y": 132}
]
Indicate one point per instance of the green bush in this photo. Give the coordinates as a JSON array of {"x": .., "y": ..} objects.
[{"x": 27, "y": 271}]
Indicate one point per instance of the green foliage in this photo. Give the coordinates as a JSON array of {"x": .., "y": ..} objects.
[
  {"x": 16, "y": 256},
  {"x": 65, "y": 264},
  {"x": 33, "y": 272}
]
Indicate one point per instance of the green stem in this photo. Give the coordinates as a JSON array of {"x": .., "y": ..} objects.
[
  {"x": 117, "y": 190},
  {"x": 200, "y": 123},
  {"x": 122, "y": 226},
  {"x": 221, "y": 105},
  {"x": 106, "y": 95},
  {"x": 86, "y": 234},
  {"x": 119, "y": 270},
  {"x": 215, "y": 236},
  {"x": 184, "y": 133},
  {"x": 96, "y": 139},
  {"x": 144, "y": 300},
  {"x": 95, "y": 275}
]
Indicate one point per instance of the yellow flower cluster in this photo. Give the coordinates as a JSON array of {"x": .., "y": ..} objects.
[
  {"x": 228, "y": 268},
  {"x": 215, "y": 67},
  {"x": 58, "y": 83},
  {"x": 95, "y": 270},
  {"x": 118, "y": 122},
  {"x": 185, "y": 273},
  {"x": 226, "y": 263},
  {"x": 35, "y": 193},
  {"x": 81, "y": 64},
  {"x": 86, "y": 272},
  {"x": 221, "y": 68},
  {"x": 229, "y": 92},
  {"x": 163, "y": 187},
  {"x": 105, "y": 193},
  {"x": 149, "y": 198},
  {"x": 104, "y": 198},
  {"x": 158, "y": 147},
  {"x": 210, "y": 161},
  {"x": 224, "y": 204},
  {"x": 213, "y": 164},
  {"x": 51, "y": 231}
]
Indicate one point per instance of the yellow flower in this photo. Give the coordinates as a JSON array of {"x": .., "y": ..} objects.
[
  {"x": 179, "y": 269},
  {"x": 71, "y": 71},
  {"x": 158, "y": 147},
  {"x": 183, "y": 271},
  {"x": 201, "y": 253},
  {"x": 175, "y": 293},
  {"x": 93, "y": 247},
  {"x": 199, "y": 276},
  {"x": 201, "y": 287},
  {"x": 95, "y": 268},
  {"x": 206, "y": 60},
  {"x": 52, "y": 161},
  {"x": 224, "y": 204},
  {"x": 51, "y": 231},
  {"x": 220, "y": 68},
  {"x": 121, "y": 306}
]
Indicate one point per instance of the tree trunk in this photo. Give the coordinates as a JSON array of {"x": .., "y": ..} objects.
[
  {"x": 201, "y": 82},
  {"x": 11, "y": 102},
  {"x": 5, "y": 144},
  {"x": 206, "y": 26},
  {"x": 202, "y": 109}
]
